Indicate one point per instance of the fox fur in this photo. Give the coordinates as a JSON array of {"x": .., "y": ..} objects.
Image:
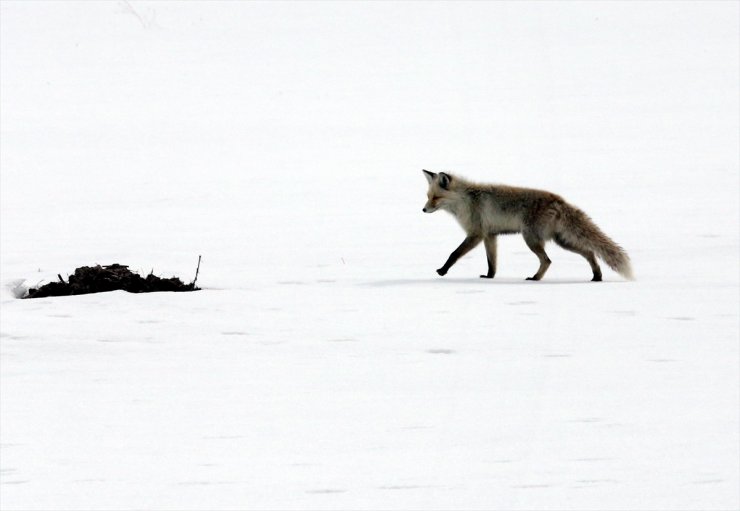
[{"x": 484, "y": 211}]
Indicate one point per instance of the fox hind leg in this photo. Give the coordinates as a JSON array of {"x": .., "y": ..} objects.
[
  {"x": 585, "y": 253},
  {"x": 537, "y": 245}
]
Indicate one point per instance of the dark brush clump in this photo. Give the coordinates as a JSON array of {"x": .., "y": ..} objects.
[{"x": 98, "y": 279}]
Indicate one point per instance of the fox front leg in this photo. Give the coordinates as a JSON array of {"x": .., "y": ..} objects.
[
  {"x": 466, "y": 246},
  {"x": 490, "y": 243}
]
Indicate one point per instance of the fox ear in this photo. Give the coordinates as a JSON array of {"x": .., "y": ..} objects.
[
  {"x": 429, "y": 175},
  {"x": 444, "y": 180}
]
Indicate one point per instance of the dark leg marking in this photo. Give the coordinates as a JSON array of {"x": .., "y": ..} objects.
[
  {"x": 490, "y": 244},
  {"x": 537, "y": 245},
  {"x": 466, "y": 246},
  {"x": 583, "y": 252}
]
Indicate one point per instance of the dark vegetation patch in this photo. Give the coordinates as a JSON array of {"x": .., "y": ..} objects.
[{"x": 98, "y": 279}]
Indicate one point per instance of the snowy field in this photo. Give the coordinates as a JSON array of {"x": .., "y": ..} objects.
[{"x": 325, "y": 365}]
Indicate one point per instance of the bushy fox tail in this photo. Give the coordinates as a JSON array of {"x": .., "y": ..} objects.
[{"x": 582, "y": 232}]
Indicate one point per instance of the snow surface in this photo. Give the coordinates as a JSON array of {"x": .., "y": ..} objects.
[{"x": 325, "y": 365}]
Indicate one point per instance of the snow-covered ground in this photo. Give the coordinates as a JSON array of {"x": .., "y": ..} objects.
[{"x": 325, "y": 365}]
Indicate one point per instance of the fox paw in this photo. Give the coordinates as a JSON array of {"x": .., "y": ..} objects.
[
  {"x": 486, "y": 276},
  {"x": 441, "y": 272}
]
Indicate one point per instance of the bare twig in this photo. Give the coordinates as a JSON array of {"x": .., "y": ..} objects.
[
  {"x": 129, "y": 9},
  {"x": 196, "y": 274}
]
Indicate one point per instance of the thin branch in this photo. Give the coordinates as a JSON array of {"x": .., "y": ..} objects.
[
  {"x": 130, "y": 9},
  {"x": 197, "y": 270}
]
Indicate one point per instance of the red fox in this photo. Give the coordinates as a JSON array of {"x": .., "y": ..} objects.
[{"x": 485, "y": 211}]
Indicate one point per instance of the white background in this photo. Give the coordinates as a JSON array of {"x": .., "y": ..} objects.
[{"x": 325, "y": 365}]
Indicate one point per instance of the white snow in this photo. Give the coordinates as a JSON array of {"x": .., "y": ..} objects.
[{"x": 325, "y": 365}]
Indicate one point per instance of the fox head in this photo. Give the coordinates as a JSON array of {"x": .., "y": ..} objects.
[{"x": 439, "y": 193}]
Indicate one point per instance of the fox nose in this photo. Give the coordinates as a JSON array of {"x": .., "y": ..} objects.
[{"x": 424, "y": 210}]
